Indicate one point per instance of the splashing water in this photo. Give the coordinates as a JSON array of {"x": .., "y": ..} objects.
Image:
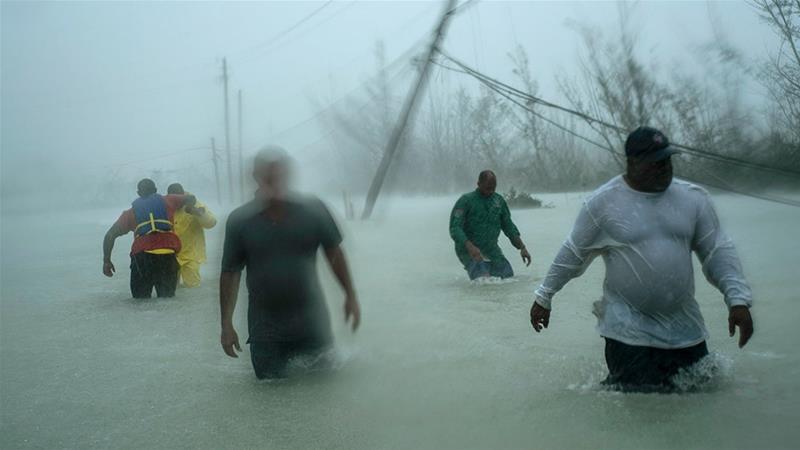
[
  {"x": 331, "y": 360},
  {"x": 482, "y": 281},
  {"x": 707, "y": 375},
  {"x": 710, "y": 374}
]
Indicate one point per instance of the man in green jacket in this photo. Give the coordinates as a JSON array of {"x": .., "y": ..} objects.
[{"x": 475, "y": 225}]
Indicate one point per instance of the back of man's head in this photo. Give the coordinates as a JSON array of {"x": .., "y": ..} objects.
[
  {"x": 175, "y": 188},
  {"x": 146, "y": 187}
]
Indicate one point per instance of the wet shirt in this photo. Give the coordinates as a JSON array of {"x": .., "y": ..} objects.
[
  {"x": 154, "y": 242},
  {"x": 646, "y": 241},
  {"x": 480, "y": 219},
  {"x": 286, "y": 302}
]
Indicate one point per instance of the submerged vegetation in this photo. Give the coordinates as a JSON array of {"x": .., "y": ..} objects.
[{"x": 523, "y": 200}]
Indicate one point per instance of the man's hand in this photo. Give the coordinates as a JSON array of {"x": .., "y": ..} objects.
[
  {"x": 352, "y": 308},
  {"x": 540, "y": 317},
  {"x": 474, "y": 252},
  {"x": 195, "y": 211},
  {"x": 526, "y": 257},
  {"x": 230, "y": 340},
  {"x": 739, "y": 316},
  {"x": 108, "y": 268}
]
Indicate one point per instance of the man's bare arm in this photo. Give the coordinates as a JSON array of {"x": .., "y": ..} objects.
[
  {"x": 108, "y": 246},
  {"x": 338, "y": 263},
  {"x": 228, "y": 291},
  {"x": 516, "y": 241}
]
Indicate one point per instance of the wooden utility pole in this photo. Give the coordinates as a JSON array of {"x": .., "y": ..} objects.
[
  {"x": 241, "y": 146},
  {"x": 214, "y": 158},
  {"x": 227, "y": 128},
  {"x": 408, "y": 109}
]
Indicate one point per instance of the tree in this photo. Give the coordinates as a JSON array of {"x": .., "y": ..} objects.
[{"x": 782, "y": 74}]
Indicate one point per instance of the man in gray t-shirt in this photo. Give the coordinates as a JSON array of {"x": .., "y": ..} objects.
[
  {"x": 646, "y": 225},
  {"x": 276, "y": 237}
]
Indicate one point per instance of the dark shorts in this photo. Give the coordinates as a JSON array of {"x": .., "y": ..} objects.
[
  {"x": 647, "y": 369},
  {"x": 271, "y": 359},
  {"x": 150, "y": 271},
  {"x": 499, "y": 268}
]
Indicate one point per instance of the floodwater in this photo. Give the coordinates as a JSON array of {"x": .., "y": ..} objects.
[{"x": 438, "y": 363}]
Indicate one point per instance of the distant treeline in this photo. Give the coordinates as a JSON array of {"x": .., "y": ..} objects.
[{"x": 460, "y": 130}]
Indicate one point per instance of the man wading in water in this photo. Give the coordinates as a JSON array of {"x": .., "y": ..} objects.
[
  {"x": 276, "y": 237},
  {"x": 645, "y": 226},
  {"x": 475, "y": 224},
  {"x": 153, "y": 262}
]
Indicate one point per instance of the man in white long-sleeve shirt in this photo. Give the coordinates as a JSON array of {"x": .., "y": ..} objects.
[{"x": 645, "y": 226}]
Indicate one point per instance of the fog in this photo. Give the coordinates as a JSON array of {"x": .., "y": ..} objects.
[
  {"x": 108, "y": 91},
  {"x": 95, "y": 96}
]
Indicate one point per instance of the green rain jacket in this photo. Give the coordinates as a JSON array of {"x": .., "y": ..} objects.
[{"x": 479, "y": 219}]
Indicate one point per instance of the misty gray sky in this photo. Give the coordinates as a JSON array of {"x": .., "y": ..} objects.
[{"x": 92, "y": 87}]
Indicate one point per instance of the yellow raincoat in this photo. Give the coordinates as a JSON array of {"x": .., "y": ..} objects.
[{"x": 189, "y": 228}]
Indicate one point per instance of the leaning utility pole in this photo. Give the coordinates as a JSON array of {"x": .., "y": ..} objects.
[
  {"x": 216, "y": 169},
  {"x": 241, "y": 158},
  {"x": 408, "y": 108},
  {"x": 227, "y": 128}
]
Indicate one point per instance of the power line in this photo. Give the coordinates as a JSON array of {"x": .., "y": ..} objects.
[
  {"x": 726, "y": 186},
  {"x": 163, "y": 155},
  {"x": 400, "y": 59},
  {"x": 404, "y": 57},
  {"x": 487, "y": 80},
  {"x": 360, "y": 56},
  {"x": 294, "y": 26},
  {"x": 276, "y": 42},
  {"x": 535, "y": 113},
  {"x": 688, "y": 149}
]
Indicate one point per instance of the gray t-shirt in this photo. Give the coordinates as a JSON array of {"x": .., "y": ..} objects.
[
  {"x": 646, "y": 241},
  {"x": 286, "y": 302}
]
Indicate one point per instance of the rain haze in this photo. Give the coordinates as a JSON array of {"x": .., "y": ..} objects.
[{"x": 389, "y": 128}]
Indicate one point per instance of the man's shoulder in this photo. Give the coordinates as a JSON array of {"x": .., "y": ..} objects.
[
  {"x": 467, "y": 197},
  {"x": 307, "y": 200},
  {"x": 245, "y": 212},
  {"x": 690, "y": 193},
  {"x": 498, "y": 199},
  {"x": 462, "y": 204},
  {"x": 606, "y": 190},
  {"x": 688, "y": 188},
  {"x": 310, "y": 204},
  {"x": 126, "y": 218},
  {"x": 173, "y": 201}
]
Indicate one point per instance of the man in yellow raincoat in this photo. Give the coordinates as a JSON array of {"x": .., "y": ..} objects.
[{"x": 189, "y": 223}]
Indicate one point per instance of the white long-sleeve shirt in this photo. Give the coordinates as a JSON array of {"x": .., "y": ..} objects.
[{"x": 646, "y": 241}]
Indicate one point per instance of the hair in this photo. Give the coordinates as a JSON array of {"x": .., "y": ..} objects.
[
  {"x": 485, "y": 175},
  {"x": 146, "y": 187},
  {"x": 175, "y": 188},
  {"x": 272, "y": 154}
]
